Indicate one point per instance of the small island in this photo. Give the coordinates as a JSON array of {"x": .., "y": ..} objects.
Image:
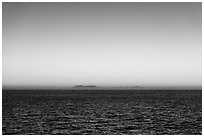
[{"x": 85, "y": 86}]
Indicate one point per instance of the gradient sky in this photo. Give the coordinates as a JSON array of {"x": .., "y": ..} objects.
[{"x": 103, "y": 44}]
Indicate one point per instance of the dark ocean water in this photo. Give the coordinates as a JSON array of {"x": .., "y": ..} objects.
[{"x": 102, "y": 112}]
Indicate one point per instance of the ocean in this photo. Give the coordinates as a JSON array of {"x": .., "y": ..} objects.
[{"x": 102, "y": 112}]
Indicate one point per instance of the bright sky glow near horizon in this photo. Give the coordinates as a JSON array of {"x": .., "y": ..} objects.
[{"x": 103, "y": 44}]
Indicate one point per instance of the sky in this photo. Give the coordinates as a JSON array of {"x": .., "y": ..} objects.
[{"x": 60, "y": 45}]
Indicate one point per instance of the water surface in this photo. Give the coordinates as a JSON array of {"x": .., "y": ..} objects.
[{"x": 102, "y": 112}]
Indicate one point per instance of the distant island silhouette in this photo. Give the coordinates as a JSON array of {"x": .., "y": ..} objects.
[
  {"x": 96, "y": 87},
  {"x": 85, "y": 86}
]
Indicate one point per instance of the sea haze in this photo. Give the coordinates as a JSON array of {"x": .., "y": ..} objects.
[{"x": 103, "y": 44}]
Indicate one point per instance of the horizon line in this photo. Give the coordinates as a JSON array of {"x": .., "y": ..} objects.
[{"x": 107, "y": 88}]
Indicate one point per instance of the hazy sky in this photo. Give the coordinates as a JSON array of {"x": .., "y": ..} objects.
[{"x": 104, "y": 44}]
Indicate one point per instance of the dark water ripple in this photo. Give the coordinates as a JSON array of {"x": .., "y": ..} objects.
[{"x": 102, "y": 112}]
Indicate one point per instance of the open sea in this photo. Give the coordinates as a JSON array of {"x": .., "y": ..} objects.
[{"x": 99, "y": 112}]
